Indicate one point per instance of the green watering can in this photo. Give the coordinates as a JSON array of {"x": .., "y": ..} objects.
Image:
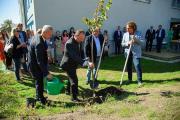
[{"x": 54, "y": 86}]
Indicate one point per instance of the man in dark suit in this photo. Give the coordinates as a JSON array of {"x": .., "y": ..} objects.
[
  {"x": 97, "y": 47},
  {"x": 117, "y": 39},
  {"x": 38, "y": 60},
  {"x": 71, "y": 60},
  {"x": 150, "y": 36},
  {"x": 160, "y": 36}
]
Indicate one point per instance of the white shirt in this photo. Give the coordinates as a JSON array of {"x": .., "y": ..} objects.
[
  {"x": 160, "y": 32},
  {"x": 98, "y": 46}
]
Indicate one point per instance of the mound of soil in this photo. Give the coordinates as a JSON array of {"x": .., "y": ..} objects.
[{"x": 100, "y": 95}]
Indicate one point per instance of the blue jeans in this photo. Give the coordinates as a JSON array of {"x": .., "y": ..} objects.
[
  {"x": 24, "y": 63},
  {"x": 17, "y": 65},
  {"x": 137, "y": 65},
  {"x": 94, "y": 70}
]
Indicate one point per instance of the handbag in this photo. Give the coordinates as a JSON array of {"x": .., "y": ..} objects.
[{"x": 9, "y": 49}]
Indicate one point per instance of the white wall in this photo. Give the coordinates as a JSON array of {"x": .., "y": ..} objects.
[{"x": 63, "y": 14}]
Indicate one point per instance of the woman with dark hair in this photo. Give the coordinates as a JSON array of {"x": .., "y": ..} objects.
[
  {"x": 65, "y": 38},
  {"x": 71, "y": 32},
  {"x": 106, "y": 46},
  {"x": 17, "y": 52}
]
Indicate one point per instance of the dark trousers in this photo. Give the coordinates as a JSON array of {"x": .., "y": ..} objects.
[
  {"x": 24, "y": 63},
  {"x": 117, "y": 47},
  {"x": 137, "y": 65},
  {"x": 73, "y": 83},
  {"x": 149, "y": 44},
  {"x": 159, "y": 44},
  {"x": 39, "y": 86},
  {"x": 17, "y": 65}
]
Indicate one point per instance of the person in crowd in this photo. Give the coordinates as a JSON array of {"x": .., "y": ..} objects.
[
  {"x": 133, "y": 38},
  {"x": 170, "y": 37},
  {"x": 38, "y": 61},
  {"x": 39, "y": 31},
  {"x": 106, "y": 46},
  {"x": 71, "y": 59},
  {"x": 97, "y": 47},
  {"x": 23, "y": 40},
  {"x": 71, "y": 32},
  {"x": 58, "y": 46},
  {"x": 51, "y": 51},
  {"x": 124, "y": 30},
  {"x": 150, "y": 36},
  {"x": 160, "y": 35},
  {"x": 8, "y": 57},
  {"x": 117, "y": 39},
  {"x": 88, "y": 32},
  {"x": 2, "y": 42},
  {"x": 65, "y": 38},
  {"x": 30, "y": 36},
  {"x": 17, "y": 52}
]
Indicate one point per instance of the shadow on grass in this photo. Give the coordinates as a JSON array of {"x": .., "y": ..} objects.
[
  {"x": 117, "y": 63},
  {"x": 55, "y": 68},
  {"x": 52, "y": 103},
  {"x": 144, "y": 81},
  {"x": 103, "y": 94}
]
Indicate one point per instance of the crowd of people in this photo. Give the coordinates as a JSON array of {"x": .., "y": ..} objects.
[{"x": 36, "y": 50}]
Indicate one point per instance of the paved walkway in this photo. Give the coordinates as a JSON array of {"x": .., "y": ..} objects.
[{"x": 164, "y": 56}]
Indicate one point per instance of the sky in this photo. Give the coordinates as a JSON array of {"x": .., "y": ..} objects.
[{"x": 9, "y": 9}]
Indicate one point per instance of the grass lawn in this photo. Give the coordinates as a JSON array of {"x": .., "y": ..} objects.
[{"x": 145, "y": 103}]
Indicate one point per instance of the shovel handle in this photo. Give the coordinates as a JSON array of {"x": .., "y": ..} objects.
[{"x": 125, "y": 65}]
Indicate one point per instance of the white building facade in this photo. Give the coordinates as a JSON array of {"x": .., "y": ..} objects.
[{"x": 62, "y": 14}]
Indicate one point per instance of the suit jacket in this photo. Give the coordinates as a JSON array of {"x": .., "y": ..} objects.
[
  {"x": 150, "y": 35},
  {"x": 72, "y": 55},
  {"x": 117, "y": 37},
  {"x": 37, "y": 57},
  {"x": 162, "y": 36},
  {"x": 136, "y": 48},
  {"x": 88, "y": 47}
]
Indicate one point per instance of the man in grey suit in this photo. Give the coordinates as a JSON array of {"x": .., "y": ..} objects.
[{"x": 71, "y": 60}]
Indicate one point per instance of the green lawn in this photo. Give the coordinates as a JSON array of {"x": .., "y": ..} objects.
[{"x": 145, "y": 103}]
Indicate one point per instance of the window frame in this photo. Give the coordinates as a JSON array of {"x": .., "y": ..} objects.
[{"x": 144, "y": 1}]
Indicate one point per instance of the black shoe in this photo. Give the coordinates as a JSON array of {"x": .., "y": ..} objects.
[
  {"x": 43, "y": 100},
  {"x": 87, "y": 82},
  {"x": 68, "y": 93},
  {"x": 76, "y": 100},
  {"x": 128, "y": 82}
]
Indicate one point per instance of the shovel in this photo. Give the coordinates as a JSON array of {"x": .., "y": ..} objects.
[
  {"x": 125, "y": 65},
  {"x": 94, "y": 84}
]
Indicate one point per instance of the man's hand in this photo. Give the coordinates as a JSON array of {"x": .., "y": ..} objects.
[
  {"x": 49, "y": 76},
  {"x": 24, "y": 45},
  {"x": 135, "y": 41},
  {"x": 130, "y": 42},
  {"x": 91, "y": 65}
]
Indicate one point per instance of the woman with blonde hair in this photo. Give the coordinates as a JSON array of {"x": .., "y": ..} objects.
[{"x": 17, "y": 51}]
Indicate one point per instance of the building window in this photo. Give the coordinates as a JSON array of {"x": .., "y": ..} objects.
[
  {"x": 176, "y": 4},
  {"x": 144, "y": 1}
]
